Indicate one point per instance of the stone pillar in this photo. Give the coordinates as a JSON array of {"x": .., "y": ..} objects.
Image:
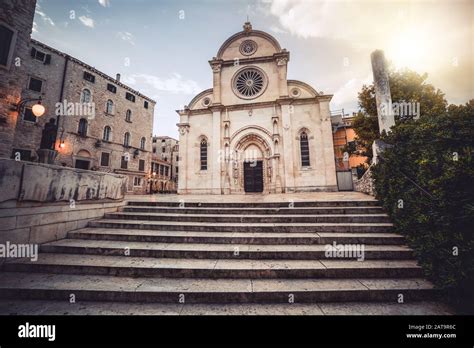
[
  {"x": 287, "y": 150},
  {"x": 382, "y": 91},
  {"x": 383, "y": 99},
  {"x": 216, "y": 163},
  {"x": 216, "y": 65},
  {"x": 183, "y": 157},
  {"x": 282, "y": 63}
]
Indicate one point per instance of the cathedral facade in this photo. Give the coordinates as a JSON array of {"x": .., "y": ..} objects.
[{"x": 255, "y": 131}]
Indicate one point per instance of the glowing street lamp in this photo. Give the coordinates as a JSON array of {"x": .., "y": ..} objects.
[{"x": 38, "y": 109}]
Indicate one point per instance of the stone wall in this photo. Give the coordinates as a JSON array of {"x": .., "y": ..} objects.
[
  {"x": 17, "y": 15},
  {"x": 41, "y": 203},
  {"x": 366, "y": 183}
]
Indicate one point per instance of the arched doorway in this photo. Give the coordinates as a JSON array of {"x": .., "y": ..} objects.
[
  {"x": 253, "y": 169},
  {"x": 251, "y": 164}
]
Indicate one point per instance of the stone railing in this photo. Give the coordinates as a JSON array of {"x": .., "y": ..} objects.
[
  {"x": 366, "y": 183},
  {"x": 41, "y": 203}
]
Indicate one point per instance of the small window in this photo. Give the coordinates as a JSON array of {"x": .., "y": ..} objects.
[
  {"x": 35, "y": 85},
  {"x": 86, "y": 96},
  {"x": 6, "y": 38},
  {"x": 162, "y": 170},
  {"x": 89, "y": 77},
  {"x": 111, "y": 88},
  {"x": 107, "y": 133},
  {"x": 123, "y": 163},
  {"x": 142, "y": 143},
  {"x": 141, "y": 165},
  {"x": 203, "y": 153},
  {"x": 167, "y": 171},
  {"x": 38, "y": 55},
  {"x": 304, "y": 146},
  {"x": 130, "y": 96},
  {"x": 145, "y": 104},
  {"x": 28, "y": 115},
  {"x": 126, "y": 139},
  {"x": 154, "y": 150},
  {"x": 137, "y": 181},
  {"x": 176, "y": 170},
  {"x": 105, "y": 159},
  {"x": 163, "y": 149},
  {"x": 177, "y": 158},
  {"x": 128, "y": 116},
  {"x": 109, "y": 108},
  {"x": 82, "y": 129}
]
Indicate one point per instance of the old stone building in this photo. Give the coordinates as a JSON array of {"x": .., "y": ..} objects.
[
  {"x": 103, "y": 124},
  {"x": 255, "y": 130},
  {"x": 16, "y": 22},
  {"x": 165, "y": 164}
]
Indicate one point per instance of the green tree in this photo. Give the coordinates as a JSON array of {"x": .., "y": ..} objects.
[
  {"x": 437, "y": 217},
  {"x": 405, "y": 86}
]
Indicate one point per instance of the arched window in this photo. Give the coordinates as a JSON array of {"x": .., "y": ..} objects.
[
  {"x": 304, "y": 146},
  {"x": 126, "y": 139},
  {"x": 86, "y": 96},
  {"x": 109, "y": 107},
  {"x": 107, "y": 133},
  {"x": 82, "y": 129},
  {"x": 142, "y": 143},
  {"x": 203, "y": 149},
  {"x": 128, "y": 116}
]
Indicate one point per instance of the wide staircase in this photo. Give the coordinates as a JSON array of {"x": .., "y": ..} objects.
[{"x": 210, "y": 252}]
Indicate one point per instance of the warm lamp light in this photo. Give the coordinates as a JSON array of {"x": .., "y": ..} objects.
[{"x": 38, "y": 110}]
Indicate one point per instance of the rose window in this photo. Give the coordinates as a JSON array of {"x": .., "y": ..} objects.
[
  {"x": 249, "y": 83},
  {"x": 248, "y": 47}
]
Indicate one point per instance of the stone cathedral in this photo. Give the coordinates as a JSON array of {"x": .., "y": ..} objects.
[{"x": 255, "y": 131}]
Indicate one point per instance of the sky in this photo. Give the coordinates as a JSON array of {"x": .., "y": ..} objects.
[{"x": 162, "y": 47}]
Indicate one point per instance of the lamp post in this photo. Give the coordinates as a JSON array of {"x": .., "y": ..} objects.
[{"x": 38, "y": 109}]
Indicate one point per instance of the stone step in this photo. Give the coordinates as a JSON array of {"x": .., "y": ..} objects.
[
  {"x": 255, "y": 210},
  {"x": 217, "y": 251},
  {"x": 242, "y": 227},
  {"x": 183, "y": 203},
  {"x": 169, "y": 290},
  {"x": 236, "y": 237},
  {"x": 61, "y": 307},
  {"x": 343, "y": 218},
  {"x": 211, "y": 268}
]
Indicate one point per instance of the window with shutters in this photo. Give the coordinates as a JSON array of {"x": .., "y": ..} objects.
[
  {"x": 109, "y": 108},
  {"x": 126, "y": 139},
  {"x": 6, "y": 44},
  {"x": 142, "y": 143},
  {"x": 123, "y": 162},
  {"x": 89, "y": 77},
  {"x": 105, "y": 159},
  {"x": 35, "y": 85},
  {"x": 137, "y": 181},
  {"x": 304, "y": 146},
  {"x": 28, "y": 115},
  {"x": 107, "y": 133},
  {"x": 41, "y": 56},
  {"x": 86, "y": 96},
  {"x": 128, "y": 116},
  {"x": 141, "y": 165},
  {"x": 130, "y": 96},
  {"x": 82, "y": 129},
  {"x": 111, "y": 88}
]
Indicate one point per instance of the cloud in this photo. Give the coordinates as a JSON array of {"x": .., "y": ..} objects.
[
  {"x": 277, "y": 30},
  {"x": 347, "y": 94},
  {"x": 174, "y": 84},
  {"x": 126, "y": 36},
  {"x": 43, "y": 15},
  {"x": 87, "y": 21},
  {"x": 104, "y": 3},
  {"x": 35, "y": 27}
]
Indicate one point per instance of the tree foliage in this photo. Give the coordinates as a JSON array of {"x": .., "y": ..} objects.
[
  {"x": 437, "y": 213},
  {"x": 405, "y": 86}
]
